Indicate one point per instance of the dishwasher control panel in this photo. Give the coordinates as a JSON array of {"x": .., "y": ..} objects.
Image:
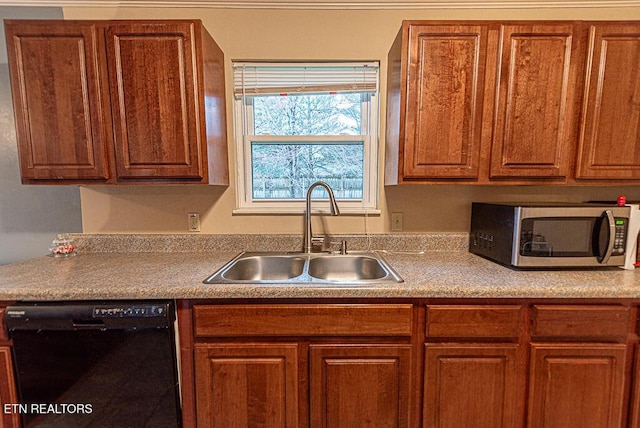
[
  {"x": 101, "y": 315},
  {"x": 121, "y": 311}
]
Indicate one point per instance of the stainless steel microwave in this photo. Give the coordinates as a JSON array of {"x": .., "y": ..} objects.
[{"x": 550, "y": 235}]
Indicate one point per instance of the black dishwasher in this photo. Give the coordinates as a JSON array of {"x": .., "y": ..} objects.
[{"x": 95, "y": 364}]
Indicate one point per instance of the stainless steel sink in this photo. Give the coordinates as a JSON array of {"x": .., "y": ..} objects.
[
  {"x": 356, "y": 268},
  {"x": 261, "y": 268},
  {"x": 346, "y": 268}
]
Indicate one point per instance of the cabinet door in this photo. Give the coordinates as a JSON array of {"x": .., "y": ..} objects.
[
  {"x": 7, "y": 389},
  {"x": 610, "y": 135},
  {"x": 577, "y": 385},
  {"x": 156, "y": 111},
  {"x": 634, "y": 421},
  {"x": 60, "y": 120},
  {"x": 444, "y": 106},
  {"x": 534, "y": 128},
  {"x": 360, "y": 385},
  {"x": 472, "y": 386},
  {"x": 246, "y": 385}
]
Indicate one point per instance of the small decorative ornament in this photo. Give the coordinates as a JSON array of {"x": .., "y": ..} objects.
[{"x": 63, "y": 246}]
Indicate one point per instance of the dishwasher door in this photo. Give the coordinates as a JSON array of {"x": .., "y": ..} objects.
[{"x": 95, "y": 364}]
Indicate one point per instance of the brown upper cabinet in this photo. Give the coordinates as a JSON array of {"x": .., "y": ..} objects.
[
  {"x": 118, "y": 102},
  {"x": 533, "y": 126},
  {"x": 513, "y": 102},
  {"x": 435, "y": 101},
  {"x": 610, "y": 132}
]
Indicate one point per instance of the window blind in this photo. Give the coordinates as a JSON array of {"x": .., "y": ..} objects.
[{"x": 289, "y": 79}]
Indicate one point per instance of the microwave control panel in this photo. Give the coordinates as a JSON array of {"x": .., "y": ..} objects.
[{"x": 620, "y": 241}]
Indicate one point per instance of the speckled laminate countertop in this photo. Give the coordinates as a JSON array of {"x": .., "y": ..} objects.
[{"x": 157, "y": 272}]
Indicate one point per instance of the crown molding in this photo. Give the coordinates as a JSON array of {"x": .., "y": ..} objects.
[{"x": 332, "y": 4}]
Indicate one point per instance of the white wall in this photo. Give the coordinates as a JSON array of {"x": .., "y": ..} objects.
[{"x": 30, "y": 216}]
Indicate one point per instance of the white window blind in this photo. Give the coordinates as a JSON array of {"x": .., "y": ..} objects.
[{"x": 250, "y": 79}]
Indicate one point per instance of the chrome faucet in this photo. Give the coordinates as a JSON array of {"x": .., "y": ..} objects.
[{"x": 333, "y": 207}]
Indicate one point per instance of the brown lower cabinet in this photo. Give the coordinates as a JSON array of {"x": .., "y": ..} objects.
[
  {"x": 471, "y": 385},
  {"x": 634, "y": 421},
  {"x": 578, "y": 372},
  {"x": 360, "y": 385},
  {"x": 8, "y": 393},
  {"x": 256, "y": 385},
  {"x": 298, "y": 365},
  {"x": 412, "y": 363},
  {"x": 7, "y": 389},
  {"x": 473, "y": 366},
  {"x": 247, "y": 385},
  {"x": 577, "y": 385}
]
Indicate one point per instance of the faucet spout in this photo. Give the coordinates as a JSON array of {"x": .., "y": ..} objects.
[{"x": 333, "y": 209}]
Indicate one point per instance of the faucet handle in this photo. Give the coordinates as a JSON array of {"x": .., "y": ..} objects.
[
  {"x": 343, "y": 248},
  {"x": 317, "y": 241}
]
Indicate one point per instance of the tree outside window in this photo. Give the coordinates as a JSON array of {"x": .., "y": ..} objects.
[{"x": 284, "y": 170}]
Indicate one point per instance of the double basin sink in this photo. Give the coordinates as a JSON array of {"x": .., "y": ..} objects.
[{"x": 356, "y": 268}]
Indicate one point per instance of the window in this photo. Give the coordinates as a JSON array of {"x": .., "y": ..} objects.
[{"x": 296, "y": 124}]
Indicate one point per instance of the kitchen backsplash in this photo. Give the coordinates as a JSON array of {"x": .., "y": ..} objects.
[{"x": 111, "y": 243}]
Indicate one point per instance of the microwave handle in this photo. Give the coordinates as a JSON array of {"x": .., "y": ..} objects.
[{"x": 611, "y": 225}]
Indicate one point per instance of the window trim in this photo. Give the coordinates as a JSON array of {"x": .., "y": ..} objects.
[{"x": 245, "y": 204}]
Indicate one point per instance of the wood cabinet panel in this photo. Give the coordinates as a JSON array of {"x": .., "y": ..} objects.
[
  {"x": 634, "y": 408},
  {"x": 597, "y": 322},
  {"x": 444, "y": 102},
  {"x": 360, "y": 385},
  {"x": 473, "y": 321},
  {"x": 472, "y": 386},
  {"x": 152, "y": 78},
  {"x": 610, "y": 133},
  {"x": 536, "y": 101},
  {"x": 3, "y": 331},
  {"x": 8, "y": 393},
  {"x": 576, "y": 385},
  {"x": 118, "y": 102},
  {"x": 492, "y": 102},
  {"x": 57, "y": 100},
  {"x": 247, "y": 385},
  {"x": 303, "y": 320}
]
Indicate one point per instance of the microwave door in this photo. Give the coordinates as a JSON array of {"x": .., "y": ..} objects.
[{"x": 605, "y": 236}]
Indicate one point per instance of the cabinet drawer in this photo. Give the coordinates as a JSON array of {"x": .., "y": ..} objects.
[
  {"x": 580, "y": 321},
  {"x": 473, "y": 321},
  {"x": 302, "y": 320}
]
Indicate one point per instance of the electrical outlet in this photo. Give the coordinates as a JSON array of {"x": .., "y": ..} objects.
[
  {"x": 396, "y": 222},
  {"x": 193, "y": 221}
]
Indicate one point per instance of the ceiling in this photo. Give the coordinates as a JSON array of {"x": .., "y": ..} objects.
[{"x": 328, "y": 4}]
